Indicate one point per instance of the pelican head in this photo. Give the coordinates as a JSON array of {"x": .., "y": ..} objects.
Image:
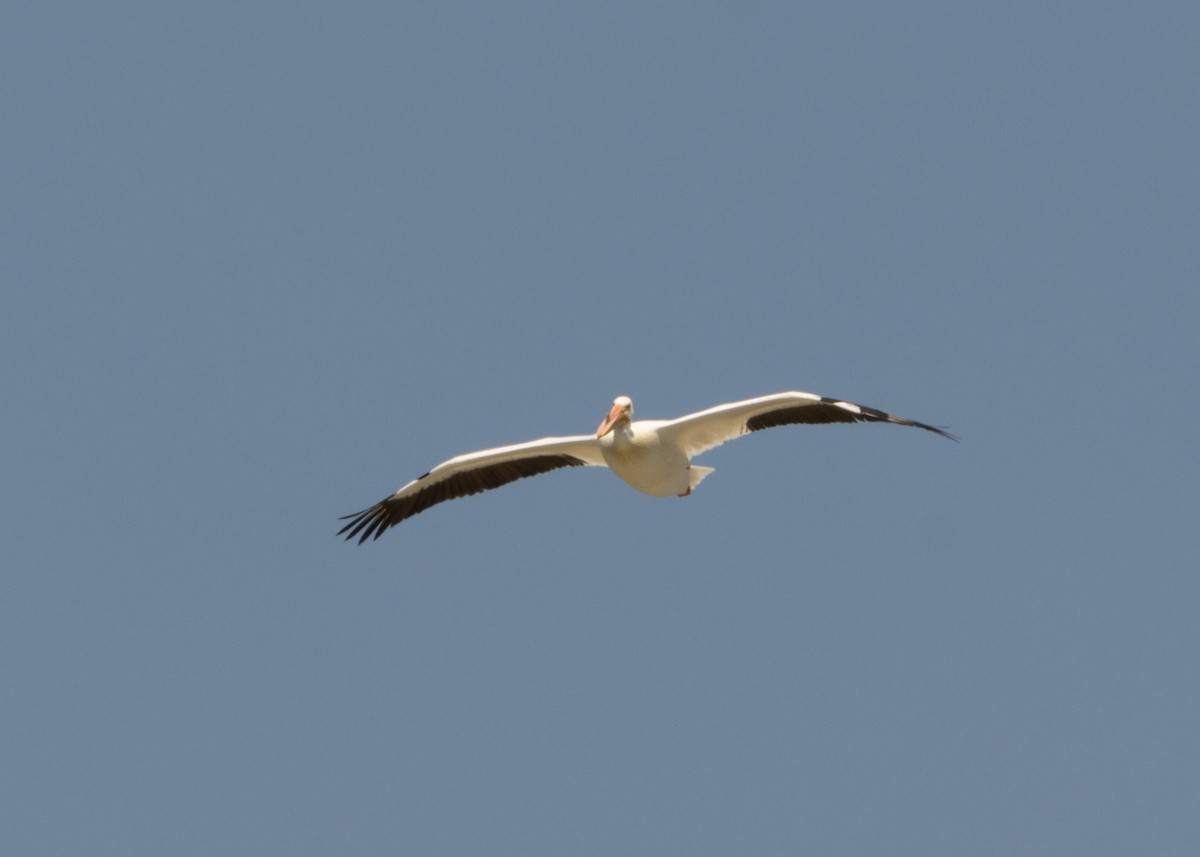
[{"x": 622, "y": 411}]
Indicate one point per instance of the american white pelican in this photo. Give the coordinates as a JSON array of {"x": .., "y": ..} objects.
[{"x": 654, "y": 456}]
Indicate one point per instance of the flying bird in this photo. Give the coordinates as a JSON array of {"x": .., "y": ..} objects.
[{"x": 654, "y": 456}]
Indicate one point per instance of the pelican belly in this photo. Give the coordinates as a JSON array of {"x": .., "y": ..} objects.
[{"x": 637, "y": 454}]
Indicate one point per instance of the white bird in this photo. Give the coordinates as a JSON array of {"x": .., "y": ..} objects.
[{"x": 654, "y": 456}]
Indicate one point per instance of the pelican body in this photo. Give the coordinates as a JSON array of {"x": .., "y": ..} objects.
[
  {"x": 645, "y": 455},
  {"x": 653, "y": 456}
]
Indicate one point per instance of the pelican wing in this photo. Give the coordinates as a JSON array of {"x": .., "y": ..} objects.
[
  {"x": 470, "y": 474},
  {"x": 704, "y": 430}
]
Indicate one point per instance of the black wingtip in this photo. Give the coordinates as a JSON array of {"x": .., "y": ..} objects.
[
  {"x": 942, "y": 430},
  {"x": 368, "y": 521}
]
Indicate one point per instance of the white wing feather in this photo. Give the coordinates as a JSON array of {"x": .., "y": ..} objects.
[{"x": 706, "y": 429}]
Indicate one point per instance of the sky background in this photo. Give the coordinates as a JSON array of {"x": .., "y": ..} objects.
[{"x": 265, "y": 262}]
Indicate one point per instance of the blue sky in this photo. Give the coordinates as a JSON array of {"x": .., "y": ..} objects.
[{"x": 264, "y": 263}]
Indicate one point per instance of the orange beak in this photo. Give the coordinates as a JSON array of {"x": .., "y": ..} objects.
[{"x": 610, "y": 422}]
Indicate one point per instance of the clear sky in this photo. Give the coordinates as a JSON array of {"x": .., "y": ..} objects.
[{"x": 265, "y": 262}]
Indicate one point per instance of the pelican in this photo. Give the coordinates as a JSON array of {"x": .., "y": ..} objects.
[{"x": 654, "y": 456}]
